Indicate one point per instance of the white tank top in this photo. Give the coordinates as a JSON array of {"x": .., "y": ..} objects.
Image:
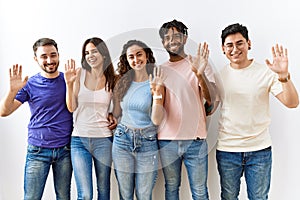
[{"x": 90, "y": 117}]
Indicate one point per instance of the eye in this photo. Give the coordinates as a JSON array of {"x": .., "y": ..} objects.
[
  {"x": 177, "y": 36},
  {"x": 86, "y": 53},
  {"x": 166, "y": 37},
  {"x": 94, "y": 51}
]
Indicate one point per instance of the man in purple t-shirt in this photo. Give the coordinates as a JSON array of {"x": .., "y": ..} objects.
[{"x": 50, "y": 125}]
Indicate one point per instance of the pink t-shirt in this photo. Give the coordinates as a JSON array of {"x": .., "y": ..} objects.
[{"x": 184, "y": 110}]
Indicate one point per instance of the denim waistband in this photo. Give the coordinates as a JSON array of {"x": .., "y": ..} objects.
[{"x": 138, "y": 130}]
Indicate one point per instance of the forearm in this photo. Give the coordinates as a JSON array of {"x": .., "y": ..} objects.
[
  {"x": 8, "y": 104},
  {"x": 70, "y": 98},
  {"x": 289, "y": 95},
  {"x": 117, "y": 110},
  {"x": 157, "y": 114},
  {"x": 205, "y": 87}
]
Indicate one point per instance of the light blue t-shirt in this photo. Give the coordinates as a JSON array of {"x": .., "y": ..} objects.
[{"x": 136, "y": 105}]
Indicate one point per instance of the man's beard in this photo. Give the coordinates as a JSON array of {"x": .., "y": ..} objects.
[
  {"x": 44, "y": 68},
  {"x": 177, "y": 53}
]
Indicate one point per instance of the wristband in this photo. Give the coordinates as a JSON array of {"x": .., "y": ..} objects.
[{"x": 157, "y": 97}]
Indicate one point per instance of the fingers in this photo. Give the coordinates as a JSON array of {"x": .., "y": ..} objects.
[
  {"x": 203, "y": 50},
  {"x": 70, "y": 65},
  {"x": 278, "y": 51},
  {"x": 158, "y": 76},
  {"x": 16, "y": 70},
  {"x": 268, "y": 62},
  {"x": 150, "y": 78}
]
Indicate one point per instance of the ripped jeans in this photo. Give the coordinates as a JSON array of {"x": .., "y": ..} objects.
[{"x": 135, "y": 159}]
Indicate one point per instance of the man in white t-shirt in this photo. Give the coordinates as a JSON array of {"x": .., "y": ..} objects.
[
  {"x": 244, "y": 142},
  {"x": 182, "y": 134}
]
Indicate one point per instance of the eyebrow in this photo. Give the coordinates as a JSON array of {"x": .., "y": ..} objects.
[
  {"x": 52, "y": 53},
  {"x": 233, "y": 42},
  {"x": 139, "y": 51}
]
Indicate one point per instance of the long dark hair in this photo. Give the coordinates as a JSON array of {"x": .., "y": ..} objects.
[
  {"x": 108, "y": 68},
  {"x": 125, "y": 73}
]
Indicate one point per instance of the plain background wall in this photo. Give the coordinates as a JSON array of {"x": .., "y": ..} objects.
[{"x": 71, "y": 22}]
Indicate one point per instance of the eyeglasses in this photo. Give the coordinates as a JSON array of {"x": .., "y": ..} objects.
[{"x": 238, "y": 45}]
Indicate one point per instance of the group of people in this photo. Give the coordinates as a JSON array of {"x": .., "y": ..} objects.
[{"x": 146, "y": 115}]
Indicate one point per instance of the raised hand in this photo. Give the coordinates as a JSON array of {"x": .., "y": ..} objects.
[
  {"x": 15, "y": 75},
  {"x": 157, "y": 82},
  {"x": 199, "y": 64},
  {"x": 70, "y": 71},
  {"x": 280, "y": 61}
]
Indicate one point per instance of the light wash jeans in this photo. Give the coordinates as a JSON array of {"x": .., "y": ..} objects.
[
  {"x": 135, "y": 158},
  {"x": 193, "y": 153},
  {"x": 38, "y": 162},
  {"x": 84, "y": 152},
  {"x": 255, "y": 165}
]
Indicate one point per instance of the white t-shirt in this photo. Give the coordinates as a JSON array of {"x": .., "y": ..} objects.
[
  {"x": 90, "y": 117},
  {"x": 244, "y": 113}
]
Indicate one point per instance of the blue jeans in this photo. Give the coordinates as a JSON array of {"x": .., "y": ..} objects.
[
  {"x": 38, "y": 162},
  {"x": 255, "y": 165},
  {"x": 193, "y": 153},
  {"x": 135, "y": 158},
  {"x": 84, "y": 152}
]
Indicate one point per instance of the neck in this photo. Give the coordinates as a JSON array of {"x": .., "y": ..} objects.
[
  {"x": 241, "y": 65},
  {"x": 50, "y": 75},
  {"x": 96, "y": 73},
  {"x": 140, "y": 76},
  {"x": 177, "y": 57}
]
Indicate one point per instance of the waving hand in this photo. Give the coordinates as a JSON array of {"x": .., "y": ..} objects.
[{"x": 200, "y": 62}]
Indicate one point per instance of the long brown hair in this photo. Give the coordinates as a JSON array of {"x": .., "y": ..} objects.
[
  {"x": 125, "y": 73},
  {"x": 108, "y": 68}
]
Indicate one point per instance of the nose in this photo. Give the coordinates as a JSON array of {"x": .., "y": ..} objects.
[
  {"x": 234, "y": 48},
  {"x": 48, "y": 60},
  {"x": 135, "y": 59}
]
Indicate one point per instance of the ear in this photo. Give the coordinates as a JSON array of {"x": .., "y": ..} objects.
[
  {"x": 35, "y": 58},
  {"x": 249, "y": 44},
  {"x": 223, "y": 49},
  {"x": 184, "y": 38}
]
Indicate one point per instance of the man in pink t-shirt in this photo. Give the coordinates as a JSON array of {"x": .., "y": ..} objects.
[{"x": 182, "y": 135}]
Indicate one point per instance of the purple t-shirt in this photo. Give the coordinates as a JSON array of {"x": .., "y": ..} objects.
[{"x": 50, "y": 123}]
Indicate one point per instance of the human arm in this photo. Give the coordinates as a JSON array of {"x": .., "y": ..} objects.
[
  {"x": 158, "y": 95},
  {"x": 72, "y": 84},
  {"x": 289, "y": 96},
  {"x": 9, "y": 104},
  {"x": 198, "y": 66}
]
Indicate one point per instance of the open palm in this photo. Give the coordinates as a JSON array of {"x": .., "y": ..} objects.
[
  {"x": 157, "y": 81},
  {"x": 199, "y": 63},
  {"x": 70, "y": 71},
  {"x": 15, "y": 75},
  {"x": 280, "y": 60}
]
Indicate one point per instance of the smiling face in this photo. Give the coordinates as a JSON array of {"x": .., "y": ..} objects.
[
  {"x": 47, "y": 58},
  {"x": 136, "y": 57},
  {"x": 174, "y": 41},
  {"x": 93, "y": 56},
  {"x": 236, "y": 49}
]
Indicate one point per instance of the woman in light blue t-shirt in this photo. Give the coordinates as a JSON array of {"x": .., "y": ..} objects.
[{"x": 139, "y": 110}]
